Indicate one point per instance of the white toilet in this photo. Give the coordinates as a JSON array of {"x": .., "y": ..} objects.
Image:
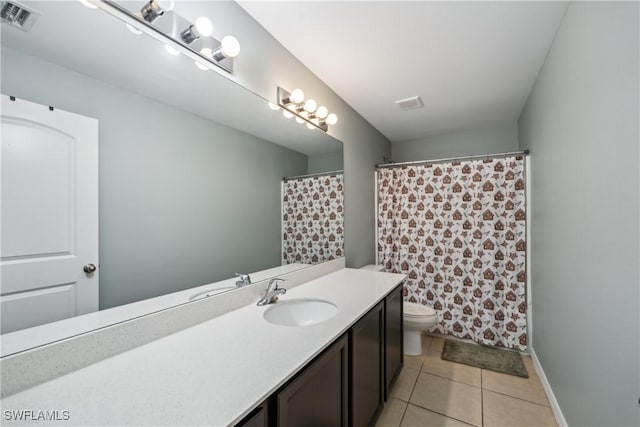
[{"x": 417, "y": 318}]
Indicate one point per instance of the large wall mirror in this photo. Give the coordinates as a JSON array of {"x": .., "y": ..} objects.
[{"x": 190, "y": 169}]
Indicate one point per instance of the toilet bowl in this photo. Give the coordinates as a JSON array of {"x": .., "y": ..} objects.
[{"x": 417, "y": 318}]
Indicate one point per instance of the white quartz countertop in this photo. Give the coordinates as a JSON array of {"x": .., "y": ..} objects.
[{"x": 211, "y": 374}]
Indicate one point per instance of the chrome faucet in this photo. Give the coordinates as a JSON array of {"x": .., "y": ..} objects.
[
  {"x": 245, "y": 279},
  {"x": 272, "y": 293}
]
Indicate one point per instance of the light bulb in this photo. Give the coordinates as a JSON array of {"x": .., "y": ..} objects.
[
  {"x": 172, "y": 50},
  {"x": 310, "y": 106},
  {"x": 296, "y": 96},
  {"x": 165, "y": 5},
  {"x": 299, "y": 120},
  {"x": 274, "y": 107},
  {"x": 200, "y": 66},
  {"x": 207, "y": 52},
  {"x": 230, "y": 46},
  {"x": 88, "y": 4},
  {"x": 322, "y": 112},
  {"x": 287, "y": 114},
  {"x": 133, "y": 29},
  {"x": 310, "y": 126},
  {"x": 204, "y": 26},
  {"x": 332, "y": 119}
]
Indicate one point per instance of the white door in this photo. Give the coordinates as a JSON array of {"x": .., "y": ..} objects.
[{"x": 49, "y": 215}]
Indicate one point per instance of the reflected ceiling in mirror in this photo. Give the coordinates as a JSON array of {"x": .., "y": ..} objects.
[{"x": 191, "y": 164}]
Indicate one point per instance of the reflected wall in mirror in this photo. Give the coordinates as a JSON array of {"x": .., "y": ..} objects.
[{"x": 190, "y": 169}]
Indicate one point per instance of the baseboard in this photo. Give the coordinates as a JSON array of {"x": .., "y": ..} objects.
[{"x": 555, "y": 407}]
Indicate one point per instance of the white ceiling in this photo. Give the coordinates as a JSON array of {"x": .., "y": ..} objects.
[{"x": 472, "y": 63}]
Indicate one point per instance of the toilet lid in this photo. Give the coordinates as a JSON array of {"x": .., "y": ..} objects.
[{"x": 412, "y": 309}]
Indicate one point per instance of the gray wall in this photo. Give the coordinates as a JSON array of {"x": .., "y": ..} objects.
[
  {"x": 264, "y": 64},
  {"x": 171, "y": 197},
  {"x": 325, "y": 162},
  {"x": 489, "y": 140},
  {"x": 581, "y": 124}
]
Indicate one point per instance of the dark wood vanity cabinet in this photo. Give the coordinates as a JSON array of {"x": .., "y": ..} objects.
[
  {"x": 318, "y": 396},
  {"x": 347, "y": 384},
  {"x": 259, "y": 417},
  {"x": 393, "y": 337},
  {"x": 366, "y": 366}
]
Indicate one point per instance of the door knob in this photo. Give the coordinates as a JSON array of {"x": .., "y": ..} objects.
[{"x": 89, "y": 268}]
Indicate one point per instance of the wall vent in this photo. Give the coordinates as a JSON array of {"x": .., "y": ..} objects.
[
  {"x": 410, "y": 103},
  {"x": 17, "y": 15}
]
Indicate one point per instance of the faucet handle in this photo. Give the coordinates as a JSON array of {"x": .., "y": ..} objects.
[
  {"x": 275, "y": 282},
  {"x": 272, "y": 292},
  {"x": 245, "y": 279}
]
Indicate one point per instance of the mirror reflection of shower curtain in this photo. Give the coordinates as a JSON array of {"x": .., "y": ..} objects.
[
  {"x": 312, "y": 219},
  {"x": 458, "y": 231}
]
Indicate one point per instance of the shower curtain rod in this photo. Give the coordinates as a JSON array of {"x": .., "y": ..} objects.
[
  {"x": 290, "y": 178},
  {"x": 451, "y": 159}
]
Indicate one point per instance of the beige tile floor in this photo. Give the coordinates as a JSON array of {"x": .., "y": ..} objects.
[{"x": 434, "y": 392}]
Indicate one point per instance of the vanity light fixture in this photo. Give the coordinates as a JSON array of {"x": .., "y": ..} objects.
[
  {"x": 305, "y": 111},
  {"x": 295, "y": 97},
  {"x": 310, "y": 106},
  {"x": 154, "y": 9},
  {"x": 88, "y": 4},
  {"x": 202, "y": 28},
  {"x": 133, "y": 30},
  {"x": 201, "y": 66},
  {"x": 194, "y": 39},
  {"x": 171, "y": 50},
  {"x": 322, "y": 112},
  {"x": 207, "y": 52},
  {"x": 229, "y": 48}
]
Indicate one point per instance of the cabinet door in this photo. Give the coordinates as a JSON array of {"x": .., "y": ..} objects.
[
  {"x": 257, "y": 417},
  {"x": 318, "y": 395},
  {"x": 366, "y": 367},
  {"x": 393, "y": 338}
]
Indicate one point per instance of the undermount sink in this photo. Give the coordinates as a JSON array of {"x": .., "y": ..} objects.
[{"x": 300, "y": 312}]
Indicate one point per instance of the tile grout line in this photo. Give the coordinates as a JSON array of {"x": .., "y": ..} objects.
[
  {"x": 481, "y": 387},
  {"x": 413, "y": 389},
  {"x": 440, "y": 413},
  {"x": 403, "y": 414},
  {"x": 455, "y": 381},
  {"x": 459, "y": 382},
  {"x": 518, "y": 398}
]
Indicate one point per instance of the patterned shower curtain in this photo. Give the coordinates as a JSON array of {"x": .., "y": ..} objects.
[
  {"x": 458, "y": 231},
  {"x": 312, "y": 219}
]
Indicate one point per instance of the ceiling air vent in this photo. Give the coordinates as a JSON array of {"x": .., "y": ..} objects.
[
  {"x": 17, "y": 15},
  {"x": 410, "y": 103}
]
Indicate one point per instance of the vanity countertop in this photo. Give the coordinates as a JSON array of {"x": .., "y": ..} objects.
[{"x": 213, "y": 373}]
